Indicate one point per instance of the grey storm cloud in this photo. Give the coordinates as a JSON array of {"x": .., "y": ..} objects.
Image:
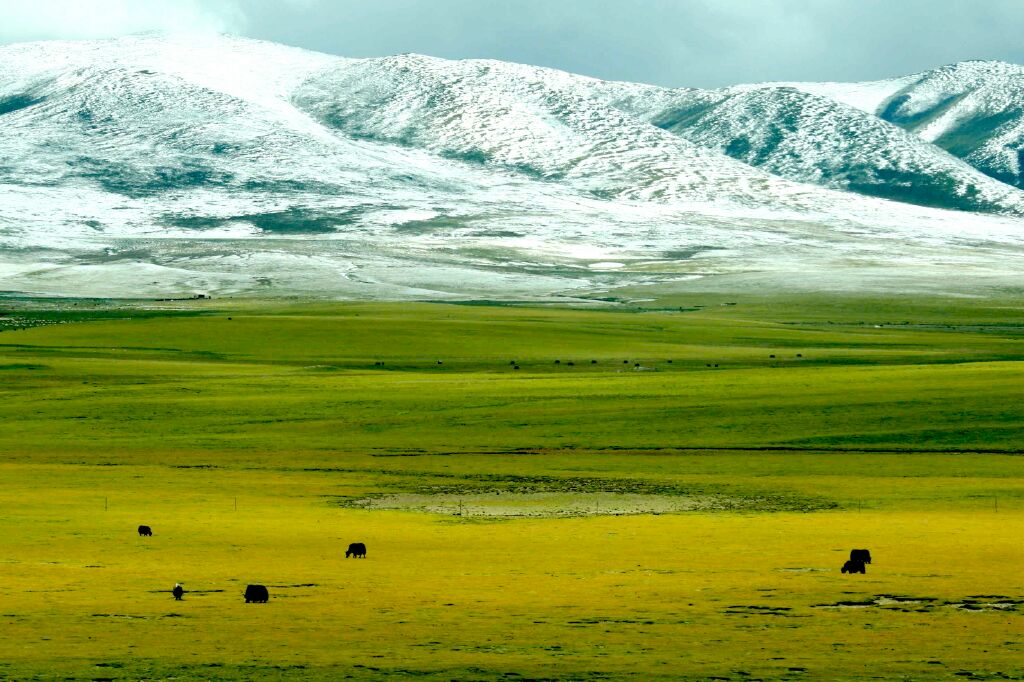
[{"x": 697, "y": 43}]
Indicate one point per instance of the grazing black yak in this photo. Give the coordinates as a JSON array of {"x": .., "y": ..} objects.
[
  {"x": 852, "y": 566},
  {"x": 357, "y": 550},
  {"x": 862, "y": 555},
  {"x": 256, "y": 594},
  {"x": 178, "y": 591},
  {"x": 145, "y": 530}
]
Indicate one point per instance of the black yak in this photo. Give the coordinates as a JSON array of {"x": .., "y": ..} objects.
[
  {"x": 852, "y": 566},
  {"x": 862, "y": 555},
  {"x": 357, "y": 550},
  {"x": 145, "y": 530},
  {"x": 256, "y": 594},
  {"x": 178, "y": 591}
]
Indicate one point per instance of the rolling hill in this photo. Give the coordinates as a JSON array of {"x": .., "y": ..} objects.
[{"x": 167, "y": 166}]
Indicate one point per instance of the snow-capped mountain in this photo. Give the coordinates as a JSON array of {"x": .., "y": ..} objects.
[
  {"x": 973, "y": 110},
  {"x": 528, "y": 122},
  {"x": 153, "y": 165},
  {"x": 812, "y": 138}
]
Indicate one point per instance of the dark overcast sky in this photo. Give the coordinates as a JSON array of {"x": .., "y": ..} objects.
[{"x": 669, "y": 42}]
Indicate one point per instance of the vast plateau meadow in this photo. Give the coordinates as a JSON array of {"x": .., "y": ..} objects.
[
  {"x": 665, "y": 491},
  {"x": 476, "y": 341}
]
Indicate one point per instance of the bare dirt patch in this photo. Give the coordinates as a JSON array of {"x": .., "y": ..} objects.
[
  {"x": 542, "y": 504},
  {"x": 507, "y": 496}
]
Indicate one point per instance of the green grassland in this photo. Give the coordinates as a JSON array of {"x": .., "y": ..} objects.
[{"x": 258, "y": 438}]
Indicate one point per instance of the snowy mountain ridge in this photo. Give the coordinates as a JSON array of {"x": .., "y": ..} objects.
[
  {"x": 152, "y": 165},
  {"x": 972, "y": 109}
]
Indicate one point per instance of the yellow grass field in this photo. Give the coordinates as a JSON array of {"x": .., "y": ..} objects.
[
  {"x": 686, "y": 595},
  {"x": 251, "y": 467}
]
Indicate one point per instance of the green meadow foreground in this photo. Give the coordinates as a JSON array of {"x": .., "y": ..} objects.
[{"x": 666, "y": 501}]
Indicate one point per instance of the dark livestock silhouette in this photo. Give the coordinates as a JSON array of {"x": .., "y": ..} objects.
[
  {"x": 862, "y": 555},
  {"x": 852, "y": 566},
  {"x": 145, "y": 530},
  {"x": 256, "y": 594},
  {"x": 357, "y": 550},
  {"x": 178, "y": 591}
]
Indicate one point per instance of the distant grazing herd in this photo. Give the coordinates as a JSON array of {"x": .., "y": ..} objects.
[
  {"x": 259, "y": 594},
  {"x": 255, "y": 594},
  {"x": 515, "y": 364}
]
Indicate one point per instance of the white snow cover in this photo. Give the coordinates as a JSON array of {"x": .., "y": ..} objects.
[
  {"x": 155, "y": 166},
  {"x": 973, "y": 109}
]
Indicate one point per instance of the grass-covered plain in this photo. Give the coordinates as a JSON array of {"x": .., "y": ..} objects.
[{"x": 247, "y": 434}]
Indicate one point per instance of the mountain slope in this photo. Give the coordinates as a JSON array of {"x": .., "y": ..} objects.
[
  {"x": 815, "y": 137},
  {"x": 535, "y": 123},
  {"x": 974, "y": 110},
  {"x": 158, "y": 166}
]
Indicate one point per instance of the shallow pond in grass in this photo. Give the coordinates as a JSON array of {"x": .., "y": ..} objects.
[{"x": 546, "y": 504}]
